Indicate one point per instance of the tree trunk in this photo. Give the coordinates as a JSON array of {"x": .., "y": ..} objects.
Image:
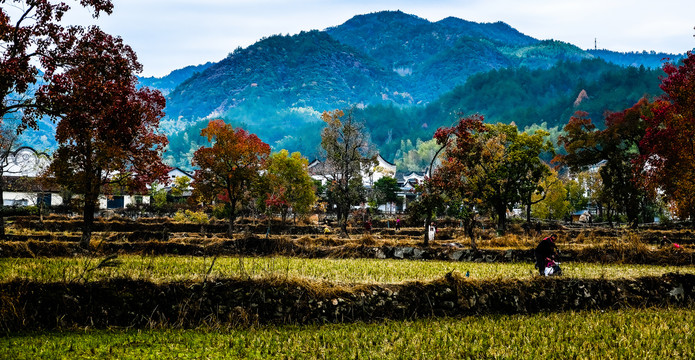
[
  {"x": 342, "y": 220},
  {"x": 87, "y": 220},
  {"x": 428, "y": 220},
  {"x": 267, "y": 231},
  {"x": 230, "y": 219},
  {"x": 468, "y": 226},
  {"x": 502, "y": 219},
  {"x": 2, "y": 206}
]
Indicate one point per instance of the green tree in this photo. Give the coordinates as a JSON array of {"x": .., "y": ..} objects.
[
  {"x": 385, "y": 190},
  {"x": 513, "y": 168},
  {"x": 289, "y": 186},
  {"x": 158, "y": 196},
  {"x": 576, "y": 192},
  {"x": 416, "y": 158},
  {"x": 492, "y": 164},
  {"x": 180, "y": 186},
  {"x": 348, "y": 152},
  {"x": 554, "y": 203}
]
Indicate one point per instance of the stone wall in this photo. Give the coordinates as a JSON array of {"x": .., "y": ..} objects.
[{"x": 132, "y": 303}]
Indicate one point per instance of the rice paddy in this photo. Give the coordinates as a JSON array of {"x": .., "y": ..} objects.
[{"x": 351, "y": 271}]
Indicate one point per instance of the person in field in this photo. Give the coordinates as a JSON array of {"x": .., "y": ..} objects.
[{"x": 546, "y": 254}]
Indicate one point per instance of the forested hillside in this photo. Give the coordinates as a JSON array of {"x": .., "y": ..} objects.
[
  {"x": 523, "y": 96},
  {"x": 168, "y": 83},
  {"x": 402, "y": 75},
  {"x": 386, "y": 57},
  {"x": 527, "y": 97},
  {"x": 310, "y": 69}
]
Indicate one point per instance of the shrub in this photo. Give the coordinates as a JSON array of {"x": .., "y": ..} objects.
[{"x": 197, "y": 217}]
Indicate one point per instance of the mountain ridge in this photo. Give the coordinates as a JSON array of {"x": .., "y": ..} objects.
[
  {"x": 403, "y": 75},
  {"x": 382, "y": 57}
]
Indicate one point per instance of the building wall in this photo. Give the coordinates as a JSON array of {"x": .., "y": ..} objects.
[
  {"x": 127, "y": 200},
  {"x": 27, "y": 199}
]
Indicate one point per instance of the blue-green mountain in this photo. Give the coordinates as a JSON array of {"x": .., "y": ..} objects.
[{"x": 404, "y": 76}]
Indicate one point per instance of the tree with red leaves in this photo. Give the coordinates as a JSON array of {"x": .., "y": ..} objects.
[
  {"x": 668, "y": 148},
  {"x": 107, "y": 128},
  {"x": 490, "y": 166},
  {"x": 228, "y": 168},
  {"x": 31, "y": 30},
  {"x": 617, "y": 145},
  {"x": 457, "y": 176}
]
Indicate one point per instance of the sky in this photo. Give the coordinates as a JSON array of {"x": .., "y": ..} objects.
[{"x": 171, "y": 34}]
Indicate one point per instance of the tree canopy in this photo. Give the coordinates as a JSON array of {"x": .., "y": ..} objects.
[
  {"x": 107, "y": 128},
  {"x": 348, "y": 152},
  {"x": 228, "y": 168},
  {"x": 288, "y": 185},
  {"x": 32, "y": 31},
  {"x": 667, "y": 157}
]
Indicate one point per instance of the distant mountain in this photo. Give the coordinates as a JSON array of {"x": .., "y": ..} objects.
[
  {"x": 169, "y": 82},
  {"x": 403, "y": 75},
  {"x": 310, "y": 69},
  {"x": 386, "y": 57},
  {"x": 650, "y": 59}
]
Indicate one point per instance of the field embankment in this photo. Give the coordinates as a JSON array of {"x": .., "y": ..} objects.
[{"x": 143, "y": 304}]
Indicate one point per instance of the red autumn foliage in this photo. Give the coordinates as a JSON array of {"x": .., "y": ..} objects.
[
  {"x": 668, "y": 146},
  {"x": 228, "y": 168},
  {"x": 30, "y": 30},
  {"x": 107, "y": 128}
]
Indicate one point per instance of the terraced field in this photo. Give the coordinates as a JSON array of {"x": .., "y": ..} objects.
[{"x": 157, "y": 288}]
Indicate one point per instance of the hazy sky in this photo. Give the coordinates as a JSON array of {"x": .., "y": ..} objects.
[{"x": 171, "y": 34}]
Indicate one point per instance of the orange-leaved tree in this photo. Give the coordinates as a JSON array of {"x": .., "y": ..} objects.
[
  {"x": 107, "y": 128},
  {"x": 229, "y": 167}
]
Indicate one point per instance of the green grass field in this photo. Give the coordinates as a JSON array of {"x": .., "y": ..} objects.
[
  {"x": 625, "y": 334},
  {"x": 349, "y": 271}
]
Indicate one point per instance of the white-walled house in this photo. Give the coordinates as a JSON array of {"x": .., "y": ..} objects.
[
  {"x": 23, "y": 167},
  {"x": 371, "y": 175},
  {"x": 175, "y": 173},
  {"x": 383, "y": 168},
  {"x": 20, "y": 170}
]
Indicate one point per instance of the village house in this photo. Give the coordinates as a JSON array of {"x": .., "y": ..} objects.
[
  {"x": 383, "y": 168},
  {"x": 23, "y": 186}
]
